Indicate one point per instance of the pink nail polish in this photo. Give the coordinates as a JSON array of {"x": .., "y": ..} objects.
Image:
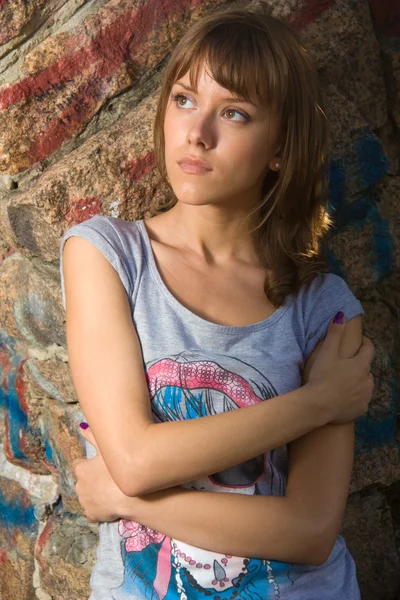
[{"x": 83, "y": 425}]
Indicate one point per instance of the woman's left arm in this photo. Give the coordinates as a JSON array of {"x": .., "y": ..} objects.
[{"x": 300, "y": 527}]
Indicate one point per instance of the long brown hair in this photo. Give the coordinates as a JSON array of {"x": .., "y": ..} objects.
[{"x": 258, "y": 56}]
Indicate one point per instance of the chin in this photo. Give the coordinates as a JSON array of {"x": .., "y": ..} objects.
[
  {"x": 194, "y": 201},
  {"x": 195, "y": 197}
]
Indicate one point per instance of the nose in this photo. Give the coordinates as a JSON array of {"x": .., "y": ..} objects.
[{"x": 200, "y": 131}]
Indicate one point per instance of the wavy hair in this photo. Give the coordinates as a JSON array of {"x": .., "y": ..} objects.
[{"x": 259, "y": 57}]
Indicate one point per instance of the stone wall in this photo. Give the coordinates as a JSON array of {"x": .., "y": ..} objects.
[{"x": 77, "y": 94}]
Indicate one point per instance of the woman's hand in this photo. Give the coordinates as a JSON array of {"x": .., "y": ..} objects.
[
  {"x": 344, "y": 385},
  {"x": 98, "y": 494}
]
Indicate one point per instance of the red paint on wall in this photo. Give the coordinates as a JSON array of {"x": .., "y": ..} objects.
[
  {"x": 20, "y": 387},
  {"x": 44, "y": 537},
  {"x": 300, "y": 19},
  {"x": 113, "y": 45},
  {"x": 6, "y": 253},
  {"x": 98, "y": 61},
  {"x": 82, "y": 209},
  {"x": 141, "y": 166}
]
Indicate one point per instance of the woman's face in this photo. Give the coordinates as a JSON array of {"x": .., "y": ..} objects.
[{"x": 236, "y": 139}]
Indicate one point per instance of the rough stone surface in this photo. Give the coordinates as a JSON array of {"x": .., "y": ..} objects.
[
  {"x": 358, "y": 156},
  {"x": 387, "y": 195},
  {"x": 61, "y": 426},
  {"x": 49, "y": 378},
  {"x": 72, "y": 73},
  {"x": 347, "y": 55},
  {"x": 18, "y": 530},
  {"x": 79, "y": 84},
  {"x": 381, "y": 319},
  {"x": 368, "y": 531},
  {"x": 391, "y": 61},
  {"x": 363, "y": 250},
  {"x": 30, "y": 304},
  {"x": 113, "y": 173},
  {"x": 66, "y": 552}
]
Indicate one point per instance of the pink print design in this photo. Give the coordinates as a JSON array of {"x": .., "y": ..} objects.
[
  {"x": 200, "y": 374},
  {"x": 138, "y": 536}
]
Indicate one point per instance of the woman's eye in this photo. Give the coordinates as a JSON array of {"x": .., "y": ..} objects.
[
  {"x": 232, "y": 110},
  {"x": 176, "y": 98}
]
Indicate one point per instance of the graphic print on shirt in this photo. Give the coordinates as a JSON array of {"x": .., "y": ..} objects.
[{"x": 157, "y": 567}]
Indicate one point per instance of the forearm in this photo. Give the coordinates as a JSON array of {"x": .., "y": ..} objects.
[
  {"x": 273, "y": 528},
  {"x": 218, "y": 442}
]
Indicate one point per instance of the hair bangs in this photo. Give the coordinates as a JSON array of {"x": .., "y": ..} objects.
[{"x": 238, "y": 59}]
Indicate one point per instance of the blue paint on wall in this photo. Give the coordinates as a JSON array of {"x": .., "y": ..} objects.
[
  {"x": 49, "y": 453},
  {"x": 18, "y": 420},
  {"x": 363, "y": 166},
  {"x": 15, "y": 513},
  {"x": 371, "y": 157}
]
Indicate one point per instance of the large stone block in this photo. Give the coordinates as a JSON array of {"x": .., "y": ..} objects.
[
  {"x": 20, "y": 428},
  {"x": 390, "y": 48},
  {"x": 113, "y": 173},
  {"x": 43, "y": 490},
  {"x": 387, "y": 196},
  {"x": 347, "y": 54},
  {"x": 66, "y": 79},
  {"x": 61, "y": 427},
  {"x": 16, "y": 16},
  {"x": 50, "y": 378},
  {"x": 18, "y": 530},
  {"x": 358, "y": 156},
  {"x": 368, "y": 531},
  {"x": 30, "y": 303},
  {"x": 378, "y": 426},
  {"x": 381, "y": 318},
  {"x": 66, "y": 553},
  {"x": 362, "y": 248},
  {"x": 377, "y": 451}
]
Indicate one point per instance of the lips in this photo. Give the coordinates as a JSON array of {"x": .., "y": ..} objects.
[{"x": 194, "y": 162}]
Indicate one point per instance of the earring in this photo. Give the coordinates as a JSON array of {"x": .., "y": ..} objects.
[{"x": 277, "y": 165}]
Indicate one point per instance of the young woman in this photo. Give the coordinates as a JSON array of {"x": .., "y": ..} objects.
[{"x": 221, "y": 301}]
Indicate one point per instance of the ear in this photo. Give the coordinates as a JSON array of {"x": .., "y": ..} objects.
[{"x": 275, "y": 163}]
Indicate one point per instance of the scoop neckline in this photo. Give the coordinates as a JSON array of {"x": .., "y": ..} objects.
[{"x": 194, "y": 318}]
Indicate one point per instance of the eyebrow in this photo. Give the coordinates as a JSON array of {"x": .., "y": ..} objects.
[{"x": 230, "y": 99}]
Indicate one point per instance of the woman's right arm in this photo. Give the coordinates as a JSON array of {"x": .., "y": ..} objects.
[{"x": 107, "y": 370}]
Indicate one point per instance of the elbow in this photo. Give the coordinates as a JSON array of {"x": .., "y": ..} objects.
[
  {"x": 318, "y": 557},
  {"x": 131, "y": 481},
  {"x": 319, "y": 549}
]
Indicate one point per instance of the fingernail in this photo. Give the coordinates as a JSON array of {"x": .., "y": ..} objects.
[
  {"x": 339, "y": 318},
  {"x": 83, "y": 425}
]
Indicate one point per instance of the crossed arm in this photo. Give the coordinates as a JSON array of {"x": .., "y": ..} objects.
[{"x": 300, "y": 527}]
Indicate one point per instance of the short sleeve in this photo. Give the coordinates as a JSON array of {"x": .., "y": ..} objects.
[
  {"x": 103, "y": 234},
  {"x": 328, "y": 295}
]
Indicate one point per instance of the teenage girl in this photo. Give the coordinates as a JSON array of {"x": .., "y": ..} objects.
[{"x": 221, "y": 301}]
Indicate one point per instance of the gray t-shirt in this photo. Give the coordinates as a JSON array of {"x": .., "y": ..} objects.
[{"x": 196, "y": 368}]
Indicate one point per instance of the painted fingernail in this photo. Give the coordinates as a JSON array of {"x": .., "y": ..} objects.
[
  {"x": 83, "y": 425},
  {"x": 339, "y": 318}
]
